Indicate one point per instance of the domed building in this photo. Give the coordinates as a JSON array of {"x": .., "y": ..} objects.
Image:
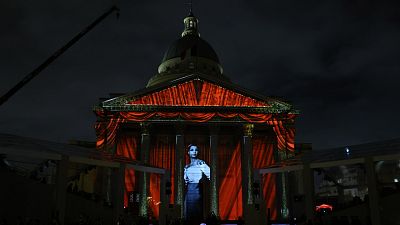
[{"x": 193, "y": 140}]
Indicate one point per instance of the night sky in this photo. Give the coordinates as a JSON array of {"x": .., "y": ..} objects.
[{"x": 337, "y": 61}]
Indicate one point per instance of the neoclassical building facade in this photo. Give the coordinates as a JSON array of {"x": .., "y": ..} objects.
[{"x": 190, "y": 102}]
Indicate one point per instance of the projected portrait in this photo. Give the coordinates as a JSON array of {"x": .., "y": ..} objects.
[{"x": 195, "y": 173}]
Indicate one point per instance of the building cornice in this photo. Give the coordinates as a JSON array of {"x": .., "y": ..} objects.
[{"x": 273, "y": 109}]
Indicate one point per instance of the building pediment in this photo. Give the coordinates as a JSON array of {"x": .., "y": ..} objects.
[{"x": 196, "y": 92}]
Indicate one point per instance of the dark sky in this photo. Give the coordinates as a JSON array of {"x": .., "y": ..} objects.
[{"x": 337, "y": 61}]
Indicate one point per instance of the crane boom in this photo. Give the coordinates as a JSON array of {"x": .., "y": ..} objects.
[{"x": 54, "y": 56}]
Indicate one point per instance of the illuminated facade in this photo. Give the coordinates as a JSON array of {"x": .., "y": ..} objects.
[{"x": 191, "y": 102}]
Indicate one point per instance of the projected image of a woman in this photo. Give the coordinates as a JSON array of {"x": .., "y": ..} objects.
[{"x": 194, "y": 172}]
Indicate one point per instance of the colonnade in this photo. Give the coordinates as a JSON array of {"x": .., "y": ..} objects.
[{"x": 180, "y": 151}]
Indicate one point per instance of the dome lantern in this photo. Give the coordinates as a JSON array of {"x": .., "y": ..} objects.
[{"x": 191, "y": 23}]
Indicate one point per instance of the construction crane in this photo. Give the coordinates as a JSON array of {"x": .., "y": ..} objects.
[{"x": 55, "y": 55}]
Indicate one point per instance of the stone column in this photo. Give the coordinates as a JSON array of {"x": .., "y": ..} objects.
[
  {"x": 213, "y": 170},
  {"x": 283, "y": 180},
  {"x": 373, "y": 194},
  {"x": 259, "y": 215},
  {"x": 164, "y": 198},
  {"x": 118, "y": 187},
  {"x": 308, "y": 186},
  {"x": 61, "y": 188},
  {"x": 144, "y": 178},
  {"x": 107, "y": 185},
  {"x": 247, "y": 169},
  {"x": 283, "y": 185},
  {"x": 179, "y": 165}
]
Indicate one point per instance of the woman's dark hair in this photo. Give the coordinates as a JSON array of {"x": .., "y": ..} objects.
[{"x": 191, "y": 145}]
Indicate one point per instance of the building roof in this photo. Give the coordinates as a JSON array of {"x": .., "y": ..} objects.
[
  {"x": 371, "y": 149},
  {"x": 352, "y": 154},
  {"x": 36, "y": 148}
]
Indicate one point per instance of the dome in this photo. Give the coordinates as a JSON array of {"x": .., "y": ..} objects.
[
  {"x": 197, "y": 46},
  {"x": 187, "y": 55}
]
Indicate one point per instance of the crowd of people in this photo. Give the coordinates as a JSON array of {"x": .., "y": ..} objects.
[
  {"x": 30, "y": 221},
  {"x": 330, "y": 220},
  {"x": 83, "y": 219}
]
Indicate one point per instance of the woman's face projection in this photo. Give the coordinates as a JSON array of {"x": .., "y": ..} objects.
[{"x": 193, "y": 151}]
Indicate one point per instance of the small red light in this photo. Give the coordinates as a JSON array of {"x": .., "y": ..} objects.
[{"x": 323, "y": 206}]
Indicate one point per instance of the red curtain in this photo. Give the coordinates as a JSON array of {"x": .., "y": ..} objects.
[
  {"x": 197, "y": 93},
  {"x": 230, "y": 176},
  {"x": 285, "y": 134},
  {"x": 106, "y": 131},
  {"x": 162, "y": 154},
  {"x": 127, "y": 146},
  {"x": 263, "y": 156}
]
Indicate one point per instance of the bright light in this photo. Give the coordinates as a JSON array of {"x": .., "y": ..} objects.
[
  {"x": 347, "y": 150},
  {"x": 396, "y": 180}
]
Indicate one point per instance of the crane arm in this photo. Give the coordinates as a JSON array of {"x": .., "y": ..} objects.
[{"x": 55, "y": 55}]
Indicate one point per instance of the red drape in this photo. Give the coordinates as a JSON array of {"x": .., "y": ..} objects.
[
  {"x": 162, "y": 154},
  {"x": 285, "y": 134},
  {"x": 263, "y": 156},
  {"x": 106, "y": 132},
  {"x": 229, "y": 169},
  {"x": 197, "y": 93},
  {"x": 127, "y": 146}
]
